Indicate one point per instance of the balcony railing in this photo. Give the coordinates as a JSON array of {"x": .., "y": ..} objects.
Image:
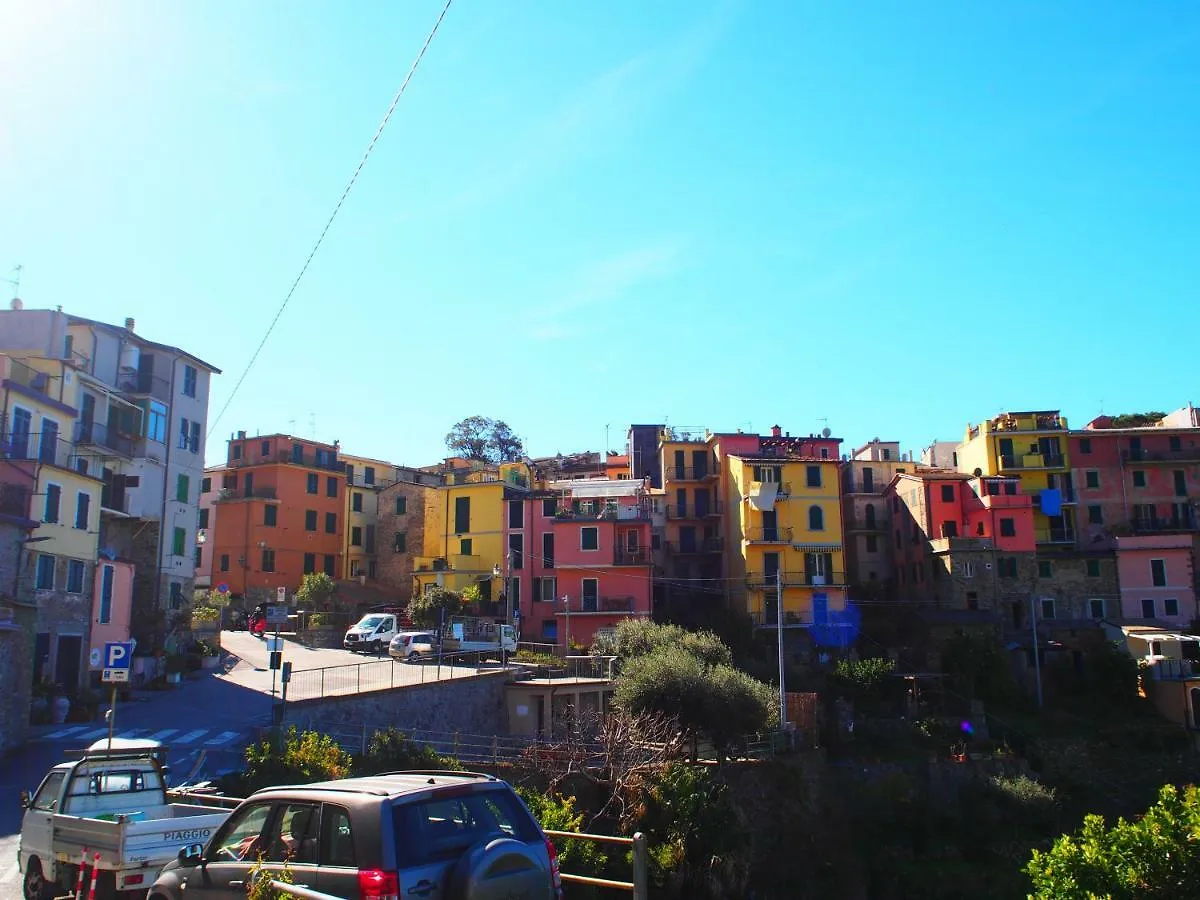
[
  {"x": 260, "y": 493},
  {"x": 1046, "y": 422},
  {"x": 1010, "y": 462},
  {"x": 631, "y": 557},
  {"x": 696, "y": 511},
  {"x": 95, "y": 434},
  {"x": 688, "y": 473},
  {"x": 146, "y": 384},
  {"x": 1055, "y": 536},
  {"x": 14, "y": 500},
  {"x": 597, "y": 605},
  {"x": 1155, "y": 526},
  {"x": 862, "y": 523},
  {"x": 30, "y": 378},
  {"x": 307, "y": 458},
  {"x": 767, "y": 580},
  {"x": 698, "y": 546},
  {"x": 44, "y": 447},
  {"x": 858, "y": 487},
  {"x": 604, "y": 514},
  {"x": 778, "y": 535},
  {"x": 791, "y": 618},
  {"x": 1183, "y": 454}
]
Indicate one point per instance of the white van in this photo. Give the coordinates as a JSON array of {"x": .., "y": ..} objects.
[{"x": 372, "y": 632}]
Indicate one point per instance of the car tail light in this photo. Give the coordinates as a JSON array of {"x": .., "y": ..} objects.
[
  {"x": 133, "y": 879},
  {"x": 375, "y": 884},
  {"x": 553, "y": 854}
]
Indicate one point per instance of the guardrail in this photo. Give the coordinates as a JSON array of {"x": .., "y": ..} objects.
[{"x": 382, "y": 674}]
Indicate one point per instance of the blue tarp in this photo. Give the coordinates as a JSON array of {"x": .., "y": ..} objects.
[{"x": 1052, "y": 502}]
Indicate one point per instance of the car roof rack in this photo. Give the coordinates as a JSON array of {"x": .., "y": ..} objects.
[{"x": 437, "y": 772}]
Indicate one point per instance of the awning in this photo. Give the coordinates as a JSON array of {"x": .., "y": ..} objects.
[{"x": 598, "y": 487}]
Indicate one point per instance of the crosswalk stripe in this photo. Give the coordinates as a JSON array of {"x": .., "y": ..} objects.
[
  {"x": 191, "y": 736},
  {"x": 92, "y": 735},
  {"x": 64, "y": 732},
  {"x": 221, "y": 738},
  {"x": 159, "y": 735}
]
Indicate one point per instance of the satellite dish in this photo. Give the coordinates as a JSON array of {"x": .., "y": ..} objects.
[
  {"x": 978, "y": 473},
  {"x": 826, "y": 432}
]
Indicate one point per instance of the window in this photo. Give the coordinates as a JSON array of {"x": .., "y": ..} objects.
[
  {"x": 1171, "y": 606},
  {"x": 1096, "y": 608},
  {"x": 1147, "y": 607},
  {"x": 1095, "y": 514},
  {"x": 812, "y": 476},
  {"x": 590, "y": 593},
  {"x": 229, "y": 481},
  {"x": 1007, "y": 566},
  {"x": 106, "y": 594},
  {"x": 816, "y": 519},
  {"x": 1091, "y": 479},
  {"x": 462, "y": 514},
  {"x": 356, "y": 537},
  {"x": 1045, "y": 568},
  {"x": 189, "y": 381},
  {"x": 75, "y": 572},
  {"x": 194, "y": 443},
  {"x": 310, "y": 563},
  {"x": 206, "y": 485},
  {"x": 203, "y": 519},
  {"x": 514, "y": 593},
  {"x": 398, "y": 542},
  {"x": 516, "y": 514},
  {"x": 1010, "y": 488},
  {"x": 185, "y": 433},
  {"x": 310, "y": 520},
  {"x": 330, "y": 564},
  {"x": 549, "y": 507},
  {"x": 872, "y": 543},
  {"x": 83, "y": 508},
  {"x": 465, "y": 546},
  {"x": 265, "y": 449},
  {"x": 330, "y": 523},
  {"x": 516, "y": 551},
  {"x": 968, "y": 570},
  {"x": 401, "y": 505},
  {"x": 312, "y": 483},
  {"x": 331, "y": 486},
  {"x": 270, "y": 515},
  {"x": 368, "y": 475},
  {"x": 1139, "y": 478},
  {"x": 1158, "y": 572},
  {"x": 183, "y": 486},
  {"x": 356, "y": 501},
  {"x": 241, "y": 839},
  {"x": 948, "y": 493},
  {"x": 589, "y": 538},
  {"x": 236, "y": 451},
  {"x": 53, "y": 496},
  {"x": 298, "y": 454},
  {"x": 337, "y": 843},
  {"x": 48, "y": 447},
  {"x": 1047, "y": 608},
  {"x": 197, "y": 556},
  {"x": 268, "y": 560},
  {"x": 179, "y": 542},
  {"x": 1093, "y": 568},
  {"x": 548, "y": 550},
  {"x": 1008, "y": 528},
  {"x": 224, "y": 562},
  {"x": 1085, "y": 445},
  {"x": 45, "y": 572}
]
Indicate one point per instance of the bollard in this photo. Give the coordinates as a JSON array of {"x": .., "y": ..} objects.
[
  {"x": 95, "y": 873},
  {"x": 79, "y": 880},
  {"x": 641, "y": 882}
]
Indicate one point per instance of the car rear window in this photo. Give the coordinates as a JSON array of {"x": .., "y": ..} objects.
[{"x": 442, "y": 828}]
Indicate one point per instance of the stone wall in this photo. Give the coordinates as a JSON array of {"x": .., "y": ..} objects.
[
  {"x": 395, "y": 569},
  {"x": 468, "y": 705},
  {"x": 16, "y": 674}
]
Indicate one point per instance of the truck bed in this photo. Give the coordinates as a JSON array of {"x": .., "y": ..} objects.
[{"x": 145, "y": 838}]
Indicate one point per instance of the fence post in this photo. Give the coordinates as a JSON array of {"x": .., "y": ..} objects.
[
  {"x": 495, "y": 749},
  {"x": 392, "y": 676},
  {"x": 641, "y": 884},
  {"x": 456, "y": 743},
  {"x": 364, "y": 739},
  {"x": 322, "y": 684},
  {"x": 358, "y": 671}
]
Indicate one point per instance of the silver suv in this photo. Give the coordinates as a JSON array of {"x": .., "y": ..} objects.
[{"x": 435, "y": 835}]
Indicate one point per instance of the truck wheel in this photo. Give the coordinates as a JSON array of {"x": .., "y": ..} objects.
[{"x": 35, "y": 887}]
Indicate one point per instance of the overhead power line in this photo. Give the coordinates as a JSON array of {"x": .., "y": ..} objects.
[{"x": 333, "y": 215}]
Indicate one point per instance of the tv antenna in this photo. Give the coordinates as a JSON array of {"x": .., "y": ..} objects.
[
  {"x": 312, "y": 425},
  {"x": 15, "y": 281}
]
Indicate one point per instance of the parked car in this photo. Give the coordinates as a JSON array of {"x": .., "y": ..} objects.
[
  {"x": 412, "y": 645},
  {"x": 372, "y": 632},
  {"x": 440, "y": 835}
]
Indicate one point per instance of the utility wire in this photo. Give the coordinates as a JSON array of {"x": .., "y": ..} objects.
[{"x": 341, "y": 200}]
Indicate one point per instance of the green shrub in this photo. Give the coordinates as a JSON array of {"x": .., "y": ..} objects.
[
  {"x": 537, "y": 658},
  {"x": 641, "y": 637},
  {"x": 426, "y": 610},
  {"x": 295, "y": 758},
  {"x": 319, "y": 620},
  {"x": 205, "y": 615},
  {"x": 556, "y": 813},
  {"x": 393, "y": 751}
]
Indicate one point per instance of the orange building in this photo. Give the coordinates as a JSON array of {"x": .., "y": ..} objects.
[{"x": 280, "y": 513}]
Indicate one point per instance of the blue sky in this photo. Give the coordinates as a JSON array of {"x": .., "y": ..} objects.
[{"x": 891, "y": 217}]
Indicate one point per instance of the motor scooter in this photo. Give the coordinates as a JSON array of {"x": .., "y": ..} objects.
[{"x": 257, "y": 623}]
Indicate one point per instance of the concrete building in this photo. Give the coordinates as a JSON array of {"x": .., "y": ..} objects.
[
  {"x": 1158, "y": 579},
  {"x": 940, "y": 454},
  {"x": 865, "y": 476},
  {"x": 211, "y": 485},
  {"x": 1184, "y": 417}
]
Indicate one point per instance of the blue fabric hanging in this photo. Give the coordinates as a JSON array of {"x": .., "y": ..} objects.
[{"x": 1052, "y": 502}]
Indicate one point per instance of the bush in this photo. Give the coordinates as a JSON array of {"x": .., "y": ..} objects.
[
  {"x": 426, "y": 609},
  {"x": 556, "y": 813},
  {"x": 392, "y": 751},
  {"x": 640, "y": 637},
  {"x": 537, "y": 658},
  {"x": 319, "y": 620},
  {"x": 294, "y": 758},
  {"x": 205, "y": 615},
  {"x": 865, "y": 682},
  {"x": 316, "y": 591}
]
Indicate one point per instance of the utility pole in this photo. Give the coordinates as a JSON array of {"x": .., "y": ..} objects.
[
  {"x": 779, "y": 630},
  {"x": 1037, "y": 651}
]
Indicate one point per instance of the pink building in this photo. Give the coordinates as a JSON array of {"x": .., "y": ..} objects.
[
  {"x": 112, "y": 606},
  {"x": 1156, "y": 577},
  {"x": 210, "y": 489},
  {"x": 588, "y": 560}
]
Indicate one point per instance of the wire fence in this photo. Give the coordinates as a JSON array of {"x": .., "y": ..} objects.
[{"x": 384, "y": 674}]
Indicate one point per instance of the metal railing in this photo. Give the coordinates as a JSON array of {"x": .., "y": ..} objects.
[
  {"x": 766, "y": 580},
  {"x": 585, "y": 605},
  {"x": 695, "y": 511},
  {"x": 384, "y": 674},
  {"x": 687, "y": 473},
  {"x": 263, "y": 493},
  {"x": 778, "y": 535},
  {"x": 1182, "y": 454},
  {"x": 98, "y": 435},
  {"x": 862, "y": 523},
  {"x": 700, "y": 545},
  {"x": 1151, "y": 526},
  {"x": 791, "y": 618},
  {"x": 47, "y": 447},
  {"x": 604, "y": 514},
  {"x": 31, "y": 378},
  {"x": 146, "y": 384},
  {"x": 631, "y": 557},
  {"x": 1031, "y": 461},
  {"x": 1055, "y": 536}
]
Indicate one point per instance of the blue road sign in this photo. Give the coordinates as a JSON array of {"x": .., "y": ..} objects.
[{"x": 118, "y": 655}]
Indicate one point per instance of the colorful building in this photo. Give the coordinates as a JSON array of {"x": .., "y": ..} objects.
[
  {"x": 865, "y": 476},
  {"x": 365, "y": 479},
  {"x": 691, "y": 538},
  {"x": 582, "y": 561},
  {"x": 1158, "y": 578},
  {"x": 279, "y": 514}
]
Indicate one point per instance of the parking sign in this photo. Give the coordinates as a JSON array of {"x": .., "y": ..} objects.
[{"x": 118, "y": 655}]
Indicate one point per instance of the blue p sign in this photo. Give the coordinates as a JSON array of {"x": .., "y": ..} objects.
[{"x": 117, "y": 655}]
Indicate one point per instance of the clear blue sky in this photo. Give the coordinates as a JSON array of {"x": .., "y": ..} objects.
[{"x": 894, "y": 216}]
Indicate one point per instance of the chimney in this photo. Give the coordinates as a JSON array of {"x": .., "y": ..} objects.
[
  {"x": 129, "y": 324},
  {"x": 16, "y": 303},
  {"x": 776, "y": 431}
]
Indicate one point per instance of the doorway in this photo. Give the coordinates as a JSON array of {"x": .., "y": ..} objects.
[{"x": 67, "y": 660}]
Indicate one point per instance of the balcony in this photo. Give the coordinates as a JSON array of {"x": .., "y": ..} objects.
[
  {"x": 1159, "y": 526},
  {"x": 631, "y": 557},
  {"x": 759, "y": 581},
  {"x": 696, "y": 547},
  {"x": 777, "y": 535},
  {"x": 93, "y": 434},
  {"x": 145, "y": 384},
  {"x": 862, "y": 523},
  {"x": 791, "y": 619},
  {"x": 1018, "y": 462},
  {"x": 858, "y": 487},
  {"x": 688, "y": 473},
  {"x": 698, "y": 511},
  {"x": 1183, "y": 454},
  {"x": 598, "y": 606},
  {"x": 1046, "y": 421},
  {"x": 32, "y": 380},
  {"x": 256, "y": 493},
  {"x": 44, "y": 447},
  {"x": 463, "y": 562},
  {"x": 1055, "y": 535},
  {"x": 604, "y": 514},
  {"x": 328, "y": 463}
]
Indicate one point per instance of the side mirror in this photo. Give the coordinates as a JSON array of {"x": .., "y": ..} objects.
[
  {"x": 26, "y": 800},
  {"x": 191, "y": 855}
]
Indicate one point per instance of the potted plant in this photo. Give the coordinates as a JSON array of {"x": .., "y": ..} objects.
[
  {"x": 210, "y": 654},
  {"x": 39, "y": 704},
  {"x": 176, "y": 663}
]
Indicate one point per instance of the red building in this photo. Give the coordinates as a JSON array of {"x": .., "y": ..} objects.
[{"x": 587, "y": 562}]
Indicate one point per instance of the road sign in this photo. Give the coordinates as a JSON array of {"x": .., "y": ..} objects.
[
  {"x": 277, "y": 615},
  {"x": 112, "y": 676},
  {"x": 222, "y": 588},
  {"x": 117, "y": 657},
  {"x": 281, "y": 595}
]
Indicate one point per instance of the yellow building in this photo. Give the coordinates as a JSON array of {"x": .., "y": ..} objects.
[
  {"x": 785, "y": 521},
  {"x": 40, "y": 399},
  {"x": 691, "y": 494},
  {"x": 1033, "y": 447},
  {"x": 365, "y": 478},
  {"x": 464, "y": 539}
]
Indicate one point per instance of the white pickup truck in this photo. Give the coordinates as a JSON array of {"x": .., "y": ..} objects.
[
  {"x": 113, "y": 802},
  {"x": 478, "y": 637}
]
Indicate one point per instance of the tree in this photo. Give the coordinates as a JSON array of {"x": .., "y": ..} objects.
[
  {"x": 1153, "y": 857},
  {"x": 485, "y": 440},
  {"x": 317, "y": 591},
  {"x": 426, "y": 609},
  {"x": 641, "y": 637},
  {"x": 1136, "y": 420}
]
